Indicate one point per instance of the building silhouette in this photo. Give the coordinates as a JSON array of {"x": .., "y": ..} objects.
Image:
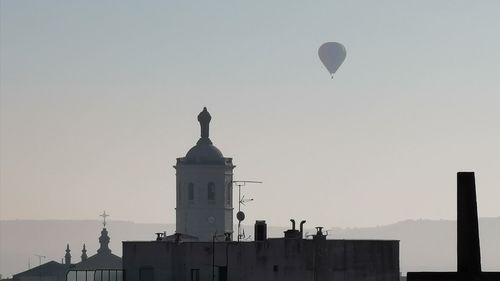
[
  {"x": 49, "y": 271},
  {"x": 103, "y": 258},
  {"x": 204, "y": 179},
  {"x": 202, "y": 247},
  {"x": 54, "y": 271}
]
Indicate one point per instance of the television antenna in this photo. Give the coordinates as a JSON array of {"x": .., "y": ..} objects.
[
  {"x": 242, "y": 201},
  {"x": 40, "y": 259}
]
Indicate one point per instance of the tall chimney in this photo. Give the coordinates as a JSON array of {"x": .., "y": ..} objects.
[{"x": 469, "y": 256}]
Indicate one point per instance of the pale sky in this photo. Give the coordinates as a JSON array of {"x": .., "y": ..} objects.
[{"x": 98, "y": 98}]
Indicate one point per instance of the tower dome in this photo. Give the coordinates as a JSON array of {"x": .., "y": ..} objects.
[{"x": 204, "y": 154}]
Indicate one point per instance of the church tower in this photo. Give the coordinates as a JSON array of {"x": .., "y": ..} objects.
[{"x": 204, "y": 204}]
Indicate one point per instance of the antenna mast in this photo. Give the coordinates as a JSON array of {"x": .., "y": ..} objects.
[
  {"x": 39, "y": 259},
  {"x": 241, "y": 201}
]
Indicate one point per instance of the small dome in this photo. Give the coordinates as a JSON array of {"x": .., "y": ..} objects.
[{"x": 204, "y": 153}]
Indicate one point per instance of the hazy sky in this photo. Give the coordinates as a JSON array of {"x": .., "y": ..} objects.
[{"x": 98, "y": 98}]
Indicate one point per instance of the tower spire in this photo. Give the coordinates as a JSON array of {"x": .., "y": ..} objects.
[
  {"x": 84, "y": 253},
  {"x": 104, "y": 238},
  {"x": 204, "y": 119},
  {"x": 67, "y": 256},
  {"x": 104, "y": 241}
]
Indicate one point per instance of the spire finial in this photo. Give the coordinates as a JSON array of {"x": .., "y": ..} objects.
[
  {"x": 84, "y": 253},
  {"x": 204, "y": 119},
  {"x": 104, "y": 215},
  {"x": 67, "y": 257}
]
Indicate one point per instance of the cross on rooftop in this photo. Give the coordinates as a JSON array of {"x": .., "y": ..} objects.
[
  {"x": 468, "y": 252},
  {"x": 104, "y": 215}
]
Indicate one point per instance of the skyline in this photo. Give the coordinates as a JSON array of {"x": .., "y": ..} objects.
[
  {"x": 96, "y": 111},
  {"x": 437, "y": 236}
]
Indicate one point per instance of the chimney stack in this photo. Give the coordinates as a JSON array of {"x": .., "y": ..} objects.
[
  {"x": 302, "y": 228},
  {"x": 260, "y": 231},
  {"x": 292, "y": 233},
  {"x": 319, "y": 234}
]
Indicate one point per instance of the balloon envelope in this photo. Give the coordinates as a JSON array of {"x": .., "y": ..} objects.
[{"x": 332, "y": 55}]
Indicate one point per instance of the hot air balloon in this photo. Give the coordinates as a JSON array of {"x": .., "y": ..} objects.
[{"x": 332, "y": 55}]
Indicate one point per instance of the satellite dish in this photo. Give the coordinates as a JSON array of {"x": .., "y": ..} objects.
[
  {"x": 332, "y": 55},
  {"x": 240, "y": 216}
]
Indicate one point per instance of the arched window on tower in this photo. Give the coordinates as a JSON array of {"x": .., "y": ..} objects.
[
  {"x": 191, "y": 191},
  {"x": 211, "y": 191}
]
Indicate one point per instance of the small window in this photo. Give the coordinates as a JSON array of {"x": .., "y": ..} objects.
[
  {"x": 211, "y": 191},
  {"x": 195, "y": 275},
  {"x": 191, "y": 191}
]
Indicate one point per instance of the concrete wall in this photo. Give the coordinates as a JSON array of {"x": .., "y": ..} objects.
[{"x": 273, "y": 259}]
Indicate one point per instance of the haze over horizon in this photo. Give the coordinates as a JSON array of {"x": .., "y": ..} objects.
[
  {"x": 97, "y": 102},
  {"x": 425, "y": 245}
]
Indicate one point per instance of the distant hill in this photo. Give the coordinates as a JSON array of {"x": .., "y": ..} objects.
[{"x": 425, "y": 244}]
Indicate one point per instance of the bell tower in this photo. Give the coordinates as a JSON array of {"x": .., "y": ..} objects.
[{"x": 204, "y": 201}]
